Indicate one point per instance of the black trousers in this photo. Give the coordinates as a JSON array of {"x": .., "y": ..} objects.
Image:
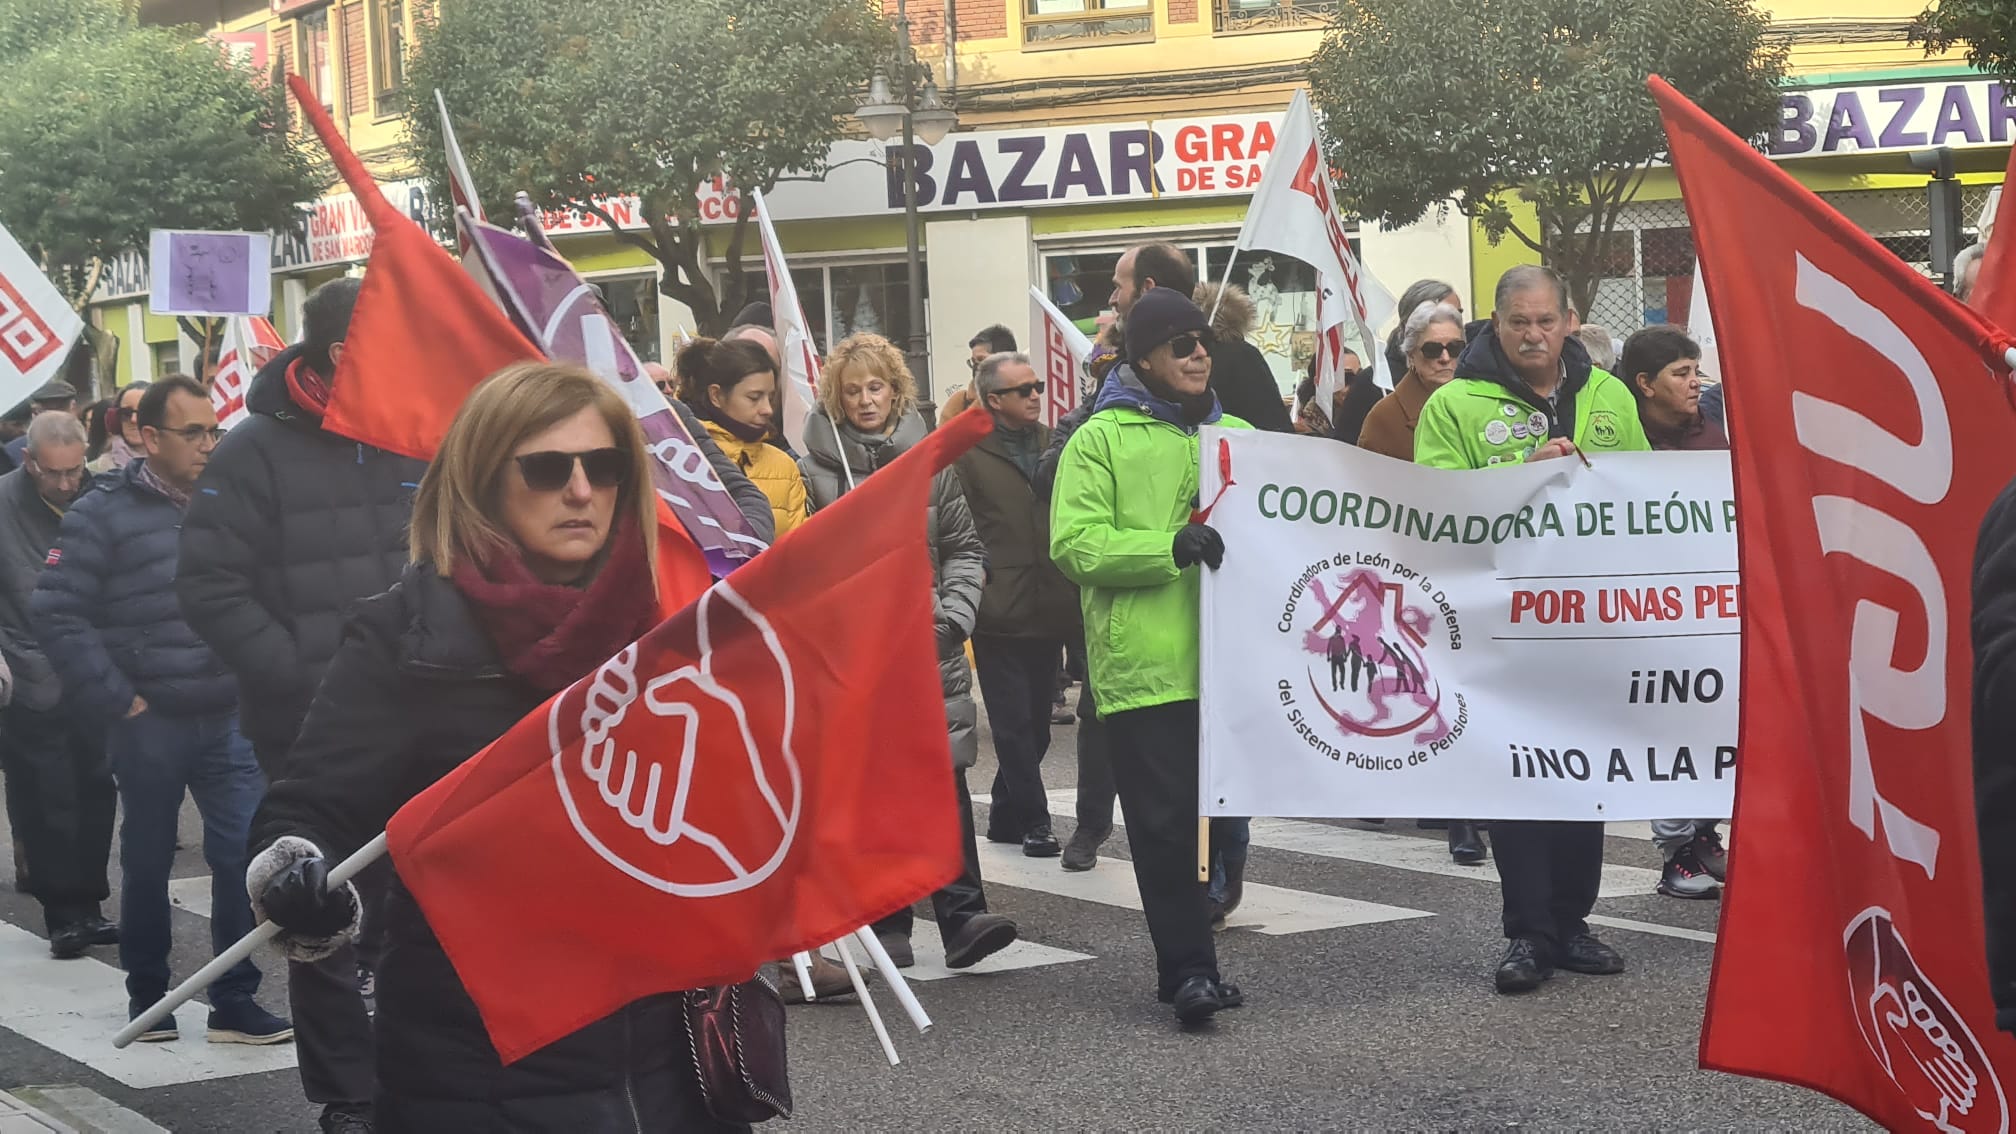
[
  {"x": 1018, "y": 684},
  {"x": 1549, "y": 873},
  {"x": 60, "y": 801},
  {"x": 1155, "y": 768},
  {"x": 332, "y": 1031},
  {"x": 1095, "y": 765},
  {"x": 956, "y": 904}
]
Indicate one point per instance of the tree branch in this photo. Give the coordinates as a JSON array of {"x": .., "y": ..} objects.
[
  {"x": 883, "y": 162},
  {"x": 623, "y": 235}
]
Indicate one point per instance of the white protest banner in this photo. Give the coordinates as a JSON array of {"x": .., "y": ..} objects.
[
  {"x": 210, "y": 273},
  {"x": 36, "y": 325},
  {"x": 1060, "y": 351},
  {"x": 1543, "y": 641}
]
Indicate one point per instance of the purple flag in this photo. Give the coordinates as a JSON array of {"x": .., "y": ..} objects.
[{"x": 564, "y": 315}]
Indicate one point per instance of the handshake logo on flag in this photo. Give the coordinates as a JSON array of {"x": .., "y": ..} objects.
[
  {"x": 1921, "y": 1041},
  {"x": 677, "y": 791}
]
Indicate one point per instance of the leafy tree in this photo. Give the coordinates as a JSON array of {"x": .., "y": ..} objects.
[
  {"x": 1986, "y": 27},
  {"x": 572, "y": 102},
  {"x": 105, "y": 138},
  {"x": 1542, "y": 101},
  {"x": 29, "y": 26}
]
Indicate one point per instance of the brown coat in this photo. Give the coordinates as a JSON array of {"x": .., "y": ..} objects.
[
  {"x": 1389, "y": 427},
  {"x": 1026, "y": 595}
]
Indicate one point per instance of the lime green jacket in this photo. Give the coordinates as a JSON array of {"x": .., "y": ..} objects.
[
  {"x": 1478, "y": 419},
  {"x": 1125, "y": 487}
]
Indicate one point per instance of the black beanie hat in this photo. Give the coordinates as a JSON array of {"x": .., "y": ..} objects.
[{"x": 1158, "y": 316}]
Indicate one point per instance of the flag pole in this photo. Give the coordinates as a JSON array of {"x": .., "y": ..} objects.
[
  {"x": 263, "y": 932},
  {"x": 867, "y": 1002},
  {"x": 894, "y": 976},
  {"x": 1224, "y": 283},
  {"x": 803, "y": 963}
]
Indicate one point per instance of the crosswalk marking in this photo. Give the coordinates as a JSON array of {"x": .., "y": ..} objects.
[
  {"x": 74, "y": 1007},
  {"x": 930, "y": 950},
  {"x": 83, "y": 1108}
]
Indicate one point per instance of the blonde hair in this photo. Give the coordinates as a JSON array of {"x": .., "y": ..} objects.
[
  {"x": 455, "y": 511},
  {"x": 875, "y": 355}
]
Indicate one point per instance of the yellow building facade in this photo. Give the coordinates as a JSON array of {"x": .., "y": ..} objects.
[{"x": 1086, "y": 126}]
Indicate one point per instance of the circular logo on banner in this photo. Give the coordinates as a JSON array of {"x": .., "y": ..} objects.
[
  {"x": 686, "y": 780},
  {"x": 1497, "y": 433},
  {"x": 1922, "y": 1043}
]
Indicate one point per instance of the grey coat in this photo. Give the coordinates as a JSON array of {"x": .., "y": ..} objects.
[
  {"x": 958, "y": 558},
  {"x": 28, "y": 528}
]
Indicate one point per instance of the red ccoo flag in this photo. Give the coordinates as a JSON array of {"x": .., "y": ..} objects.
[
  {"x": 764, "y": 773},
  {"x": 1871, "y": 430},
  {"x": 1995, "y": 287},
  {"x": 423, "y": 335}
]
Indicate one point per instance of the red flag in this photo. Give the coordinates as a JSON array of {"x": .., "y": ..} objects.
[
  {"x": 423, "y": 335},
  {"x": 762, "y": 774},
  {"x": 1871, "y": 429},
  {"x": 250, "y": 342},
  {"x": 1995, "y": 287}
]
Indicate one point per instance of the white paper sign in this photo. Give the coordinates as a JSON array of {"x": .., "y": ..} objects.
[
  {"x": 210, "y": 273},
  {"x": 36, "y": 325},
  {"x": 1544, "y": 641}
]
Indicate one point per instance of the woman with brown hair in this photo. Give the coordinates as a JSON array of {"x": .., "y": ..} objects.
[
  {"x": 532, "y": 564},
  {"x": 732, "y": 387},
  {"x": 867, "y": 417}
]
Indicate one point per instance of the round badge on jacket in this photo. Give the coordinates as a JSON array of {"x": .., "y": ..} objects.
[{"x": 1497, "y": 433}]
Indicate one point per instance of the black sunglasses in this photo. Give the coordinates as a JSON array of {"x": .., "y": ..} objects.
[
  {"x": 1434, "y": 351},
  {"x": 550, "y": 471},
  {"x": 1026, "y": 389},
  {"x": 1185, "y": 345}
]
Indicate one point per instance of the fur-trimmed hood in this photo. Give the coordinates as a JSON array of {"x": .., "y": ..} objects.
[{"x": 1235, "y": 314}]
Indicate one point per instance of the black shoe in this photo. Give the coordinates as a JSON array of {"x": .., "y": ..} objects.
[
  {"x": 1590, "y": 957},
  {"x": 1040, "y": 843},
  {"x": 102, "y": 932},
  {"x": 897, "y": 945},
  {"x": 1197, "y": 1000},
  {"x": 347, "y": 1118},
  {"x": 998, "y": 835},
  {"x": 70, "y": 942},
  {"x": 1082, "y": 852},
  {"x": 1524, "y": 967},
  {"x": 983, "y": 935},
  {"x": 1230, "y": 996},
  {"x": 1466, "y": 843}
]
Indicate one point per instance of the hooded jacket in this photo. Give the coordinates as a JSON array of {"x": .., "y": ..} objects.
[
  {"x": 958, "y": 558},
  {"x": 1026, "y": 596},
  {"x": 290, "y": 525},
  {"x": 1488, "y": 415},
  {"x": 28, "y": 529},
  {"x": 1126, "y": 484},
  {"x": 1240, "y": 375}
]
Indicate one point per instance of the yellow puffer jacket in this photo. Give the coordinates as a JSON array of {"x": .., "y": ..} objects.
[{"x": 772, "y": 470}]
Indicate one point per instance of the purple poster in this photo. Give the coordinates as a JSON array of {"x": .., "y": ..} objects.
[{"x": 211, "y": 273}]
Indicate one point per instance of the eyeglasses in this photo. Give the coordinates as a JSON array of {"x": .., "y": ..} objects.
[
  {"x": 195, "y": 434},
  {"x": 1026, "y": 390},
  {"x": 550, "y": 471},
  {"x": 1185, "y": 345},
  {"x": 1434, "y": 351}
]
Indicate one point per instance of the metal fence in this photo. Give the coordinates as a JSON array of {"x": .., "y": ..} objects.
[{"x": 1273, "y": 15}]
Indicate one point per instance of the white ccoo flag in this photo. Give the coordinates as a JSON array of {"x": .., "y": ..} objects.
[
  {"x": 250, "y": 342},
  {"x": 1060, "y": 351},
  {"x": 36, "y": 325},
  {"x": 794, "y": 334}
]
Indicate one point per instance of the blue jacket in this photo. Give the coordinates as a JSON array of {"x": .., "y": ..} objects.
[{"x": 105, "y": 612}]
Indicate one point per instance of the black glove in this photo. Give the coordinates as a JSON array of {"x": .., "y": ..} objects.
[
  {"x": 300, "y": 900},
  {"x": 1198, "y": 543}
]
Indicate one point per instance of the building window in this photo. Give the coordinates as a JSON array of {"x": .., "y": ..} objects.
[
  {"x": 388, "y": 54},
  {"x": 167, "y": 358},
  {"x": 633, "y": 304},
  {"x": 863, "y": 297},
  {"x": 312, "y": 50},
  {"x": 1066, "y": 22},
  {"x": 1273, "y": 15}
]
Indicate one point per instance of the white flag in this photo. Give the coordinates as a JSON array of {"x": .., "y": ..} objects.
[
  {"x": 36, "y": 325},
  {"x": 1294, "y": 213},
  {"x": 801, "y": 354},
  {"x": 1060, "y": 353},
  {"x": 1701, "y": 328},
  {"x": 461, "y": 186},
  {"x": 250, "y": 342}
]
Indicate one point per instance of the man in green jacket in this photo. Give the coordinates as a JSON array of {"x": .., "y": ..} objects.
[
  {"x": 1525, "y": 391},
  {"x": 1121, "y": 527}
]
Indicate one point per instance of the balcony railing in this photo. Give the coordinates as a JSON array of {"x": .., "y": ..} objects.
[
  {"x": 1273, "y": 15},
  {"x": 1066, "y": 23}
]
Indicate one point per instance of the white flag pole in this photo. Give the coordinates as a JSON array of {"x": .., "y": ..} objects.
[
  {"x": 867, "y": 1002},
  {"x": 263, "y": 932},
  {"x": 894, "y": 976},
  {"x": 803, "y": 963}
]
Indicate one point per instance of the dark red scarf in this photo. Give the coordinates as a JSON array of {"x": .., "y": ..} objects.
[
  {"x": 552, "y": 635},
  {"x": 310, "y": 390}
]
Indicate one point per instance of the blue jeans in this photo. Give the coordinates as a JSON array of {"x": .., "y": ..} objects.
[
  {"x": 156, "y": 759},
  {"x": 1229, "y": 840}
]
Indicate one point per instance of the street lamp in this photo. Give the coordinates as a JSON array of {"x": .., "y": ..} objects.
[{"x": 918, "y": 112}]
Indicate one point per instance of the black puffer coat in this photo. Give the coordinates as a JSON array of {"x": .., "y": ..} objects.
[
  {"x": 416, "y": 689},
  {"x": 289, "y": 526}
]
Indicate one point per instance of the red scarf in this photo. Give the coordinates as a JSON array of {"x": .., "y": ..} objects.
[
  {"x": 310, "y": 390},
  {"x": 550, "y": 635}
]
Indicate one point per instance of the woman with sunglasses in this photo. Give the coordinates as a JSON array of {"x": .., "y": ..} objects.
[
  {"x": 1430, "y": 342},
  {"x": 867, "y": 417},
  {"x": 531, "y": 564},
  {"x": 732, "y": 388},
  {"x": 122, "y": 430}
]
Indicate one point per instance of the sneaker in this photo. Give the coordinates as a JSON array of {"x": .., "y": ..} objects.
[
  {"x": 1707, "y": 847},
  {"x": 1039, "y": 842},
  {"x": 1686, "y": 877},
  {"x": 242, "y": 1021},
  {"x": 163, "y": 1031},
  {"x": 897, "y": 945},
  {"x": 983, "y": 935},
  {"x": 1524, "y": 967},
  {"x": 346, "y": 1118},
  {"x": 1082, "y": 852},
  {"x": 1590, "y": 957}
]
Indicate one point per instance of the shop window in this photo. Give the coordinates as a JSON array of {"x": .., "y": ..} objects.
[
  {"x": 1273, "y": 15},
  {"x": 312, "y": 49},
  {"x": 167, "y": 358},
  {"x": 388, "y": 55},
  {"x": 633, "y": 305},
  {"x": 1071, "y": 22},
  {"x": 848, "y": 299}
]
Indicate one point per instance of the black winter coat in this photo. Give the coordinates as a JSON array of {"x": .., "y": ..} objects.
[
  {"x": 104, "y": 608},
  {"x": 289, "y": 526},
  {"x": 1994, "y": 633},
  {"x": 1245, "y": 386},
  {"x": 28, "y": 527},
  {"x": 415, "y": 689}
]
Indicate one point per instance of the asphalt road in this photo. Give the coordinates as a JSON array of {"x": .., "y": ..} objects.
[{"x": 1374, "y": 1013}]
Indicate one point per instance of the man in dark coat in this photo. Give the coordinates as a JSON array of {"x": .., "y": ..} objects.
[
  {"x": 290, "y": 524},
  {"x": 105, "y": 610},
  {"x": 60, "y": 798},
  {"x": 1028, "y": 609}
]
